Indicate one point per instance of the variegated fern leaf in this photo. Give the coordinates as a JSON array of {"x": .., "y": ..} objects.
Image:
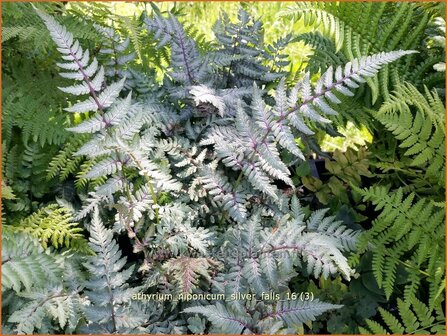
[
  {"x": 108, "y": 289},
  {"x": 115, "y": 127},
  {"x": 251, "y": 145},
  {"x": 263, "y": 260}
]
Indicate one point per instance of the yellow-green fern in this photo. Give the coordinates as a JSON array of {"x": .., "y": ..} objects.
[{"x": 53, "y": 225}]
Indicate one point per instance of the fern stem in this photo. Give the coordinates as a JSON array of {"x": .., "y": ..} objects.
[
  {"x": 87, "y": 81},
  {"x": 414, "y": 268},
  {"x": 55, "y": 295},
  {"x": 188, "y": 70},
  {"x": 425, "y": 328},
  {"x": 112, "y": 299},
  {"x": 181, "y": 44}
]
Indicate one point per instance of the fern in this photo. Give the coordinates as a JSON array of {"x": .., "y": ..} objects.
[
  {"x": 414, "y": 318},
  {"x": 186, "y": 63},
  {"x": 23, "y": 263},
  {"x": 55, "y": 303},
  {"x": 242, "y": 51},
  {"x": 194, "y": 157},
  {"x": 107, "y": 289},
  {"x": 407, "y": 231},
  {"x": 263, "y": 261},
  {"x": 421, "y": 133},
  {"x": 187, "y": 270},
  {"x": 64, "y": 164},
  {"x": 357, "y": 29},
  {"x": 53, "y": 225},
  {"x": 256, "y": 155}
]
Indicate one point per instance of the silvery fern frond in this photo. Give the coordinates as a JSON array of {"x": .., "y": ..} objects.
[
  {"x": 224, "y": 318},
  {"x": 108, "y": 289},
  {"x": 188, "y": 67},
  {"x": 295, "y": 312},
  {"x": 81, "y": 69},
  {"x": 116, "y": 49},
  {"x": 221, "y": 191},
  {"x": 255, "y": 152}
]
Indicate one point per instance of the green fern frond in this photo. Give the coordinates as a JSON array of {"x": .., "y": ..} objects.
[
  {"x": 417, "y": 121},
  {"x": 414, "y": 317},
  {"x": 357, "y": 29},
  {"x": 65, "y": 163},
  {"x": 53, "y": 225},
  {"x": 407, "y": 232}
]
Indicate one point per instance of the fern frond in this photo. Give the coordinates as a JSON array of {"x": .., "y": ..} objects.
[
  {"x": 402, "y": 227},
  {"x": 294, "y": 313},
  {"x": 223, "y": 317},
  {"x": 53, "y": 303},
  {"x": 414, "y": 317},
  {"x": 417, "y": 121},
  {"x": 357, "y": 29},
  {"x": 186, "y": 271},
  {"x": 188, "y": 66},
  {"x": 25, "y": 264},
  {"x": 108, "y": 290},
  {"x": 81, "y": 69},
  {"x": 53, "y": 225},
  {"x": 232, "y": 200},
  {"x": 255, "y": 155}
]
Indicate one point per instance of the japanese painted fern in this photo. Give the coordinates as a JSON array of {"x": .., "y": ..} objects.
[{"x": 192, "y": 172}]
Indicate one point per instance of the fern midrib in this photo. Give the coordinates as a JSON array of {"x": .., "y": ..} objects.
[
  {"x": 425, "y": 328},
  {"x": 87, "y": 81},
  {"x": 280, "y": 313},
  {"x": 185, "y": 61},
  {"x": 242, "y": 323},
  {"x": 42, "y": 302},
  {"x": 188, "y": 70}
]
